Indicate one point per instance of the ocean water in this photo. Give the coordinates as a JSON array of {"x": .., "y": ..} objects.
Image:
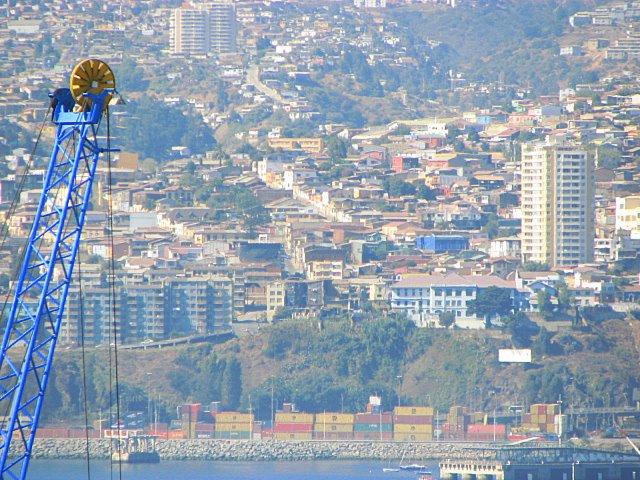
[{"x": 190, "y": 470}]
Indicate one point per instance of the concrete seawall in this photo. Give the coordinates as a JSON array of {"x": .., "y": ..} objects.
[{"x": 263, "y": 450}]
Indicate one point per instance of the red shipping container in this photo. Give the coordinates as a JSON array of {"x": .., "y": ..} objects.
[
  {"x": 53, "y": 432},
  {"x": 175, "y": 434},
  {"x": 158, "y": 427},
  {"x": 373, "y": 436},
  {"x": 190, "y": 409},
  {"x": 413, "y": 419},
  {"x": 499, "y": 428},
  {"x": 293, "y": 427},
  {"x": 370, "y": 418}
]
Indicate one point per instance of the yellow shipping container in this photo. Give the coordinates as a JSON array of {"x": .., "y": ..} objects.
[
  {"x": 233, "y": 427},
  {"x": 412, "y": 437},
  {"x": 233, "y": 417},
  {"x": 293, "y": 436},
  {"x": 297, "y": 417},
  {"x": 329, "y": 417},
  {"x": 333, "y": 427},
  {"x": 553, "y": 409},
  {"x": 413, "y": 428},
  {"x": 413, "y": 411}
]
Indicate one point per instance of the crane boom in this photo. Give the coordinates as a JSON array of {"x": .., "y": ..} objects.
[{"x": 33, "y": 325}]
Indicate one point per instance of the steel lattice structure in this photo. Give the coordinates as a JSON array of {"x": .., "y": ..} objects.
[{"x": 36, "y": 313}]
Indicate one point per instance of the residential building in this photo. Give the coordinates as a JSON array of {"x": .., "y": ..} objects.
[
  {"x": 223, "y": 27},
  {"x": 557, "y": 204},
  {"x": 424, "y": 297},
  {"x": 209, "y": 29},
  {"x": 628, "y": 213},
  {"x": 442, "y": 243}
]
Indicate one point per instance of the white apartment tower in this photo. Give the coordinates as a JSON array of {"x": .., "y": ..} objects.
[
  {"x": 209, "y": 28},
  {"x": 557, "y": 203}
]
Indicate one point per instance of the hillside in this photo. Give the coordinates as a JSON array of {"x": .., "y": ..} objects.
[
  {"x": 341, "y": 364},
  {"x": 516, "y": 42}
]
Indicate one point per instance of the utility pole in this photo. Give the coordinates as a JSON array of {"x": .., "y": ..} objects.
[{"x": 272, "y": 407}]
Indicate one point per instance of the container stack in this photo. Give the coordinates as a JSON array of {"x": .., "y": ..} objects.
[
  {"x": 541, "y": 418},
  {"x": 233, "y": 425},
  {"x": 333, "y": 426},
  {"x": 456, "y": 425},
  {"x": 413, "y": 424},
  {"x": 189, "y": 418},
  {"x": 292, "y": 425},
  {"x": 373, "y": 426}
]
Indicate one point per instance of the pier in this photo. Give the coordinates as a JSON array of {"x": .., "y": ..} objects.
[{"x": 543, "y": 463}]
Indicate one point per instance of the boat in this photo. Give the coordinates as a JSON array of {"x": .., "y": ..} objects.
[
  {"x": 413, "y": 467},
  {"x": 390, "y": 469}
]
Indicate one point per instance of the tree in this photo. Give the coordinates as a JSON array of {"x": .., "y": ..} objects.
[
  {"x": 565, "y": 299},
  {"x": 446, "y": 319},
  {"x": 545, "y": 307},
  {"x": 232, "y": 384},
  {"x": 535, "y": 267},
  {"x": 396, "y": 187},
  {"x": 336, "y": 148},
  {"x": 491, "y": 228},
  {"x": 490, "y": 302}
]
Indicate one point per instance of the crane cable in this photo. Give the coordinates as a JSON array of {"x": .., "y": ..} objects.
[
  {"x": 112, "y": 290},
  {"x": 23, "y": 249},
  {"x": 16, "y": 200},
  {"x": 84, "y": 368}
]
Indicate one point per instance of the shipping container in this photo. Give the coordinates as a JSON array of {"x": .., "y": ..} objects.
[
  {"x": 487, "y": 432},
  {"x": 412, "y": 437},
  {"x": 283, "y": 417},
  {"x": 236, "y": 435},
  {"x": 293, "y": 428},
  {"x": 333, "y": 436},
  {"x": 333, "y": 427},
  {"x": 371, "y": 436},
  {"x": 344, "y": 418},
  {"x": 419, "y": 428},
  {"x": 413, "y": 411},
  {"x": 233, "y": 427},
  {"x": 373, "y": 427},
  {"x": 175, "y": 434},
  {"x": 190, "y": 409},
  {"x": 204, "y": 427},
  {"x": 204, "y": 435},
  {"x": 292, "y": 436},
  {"x": 373, "y": 418},
  {"x": 413, "y": 419},
  {"x": 233, "y": 417}
]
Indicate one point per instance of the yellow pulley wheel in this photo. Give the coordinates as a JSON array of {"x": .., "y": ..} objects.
[{"x": 91, "y": 76}]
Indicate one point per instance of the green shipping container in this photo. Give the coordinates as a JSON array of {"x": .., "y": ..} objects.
[
  {"x": 234, "y": 435},
  {"x": 373, "y": 427}
]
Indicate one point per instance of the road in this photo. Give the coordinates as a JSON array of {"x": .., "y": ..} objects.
[{"x": 253, "y": 77}]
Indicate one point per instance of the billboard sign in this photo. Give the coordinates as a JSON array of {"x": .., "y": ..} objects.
[{"x": 513, "y": 355}]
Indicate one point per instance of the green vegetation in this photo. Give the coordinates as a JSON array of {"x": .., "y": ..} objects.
[
  {"x": 152, "y": 127},
  {"x": 323, "y": 365},
  {"x": 516, "y": 43}
]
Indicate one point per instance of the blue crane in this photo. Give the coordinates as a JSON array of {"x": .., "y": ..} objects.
[{"x": 33, "y": 325}]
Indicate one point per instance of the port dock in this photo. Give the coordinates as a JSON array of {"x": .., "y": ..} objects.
[{"x": 543, "y": 463}]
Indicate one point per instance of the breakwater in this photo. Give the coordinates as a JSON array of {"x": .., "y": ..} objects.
[{"x": 263, "y": 450}]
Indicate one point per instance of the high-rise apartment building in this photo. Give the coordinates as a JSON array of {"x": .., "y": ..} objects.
[
  {"x": 208, "y": 29},
  {"x": 223, "y": 27},
  {"x": 557, "y": 203}
]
